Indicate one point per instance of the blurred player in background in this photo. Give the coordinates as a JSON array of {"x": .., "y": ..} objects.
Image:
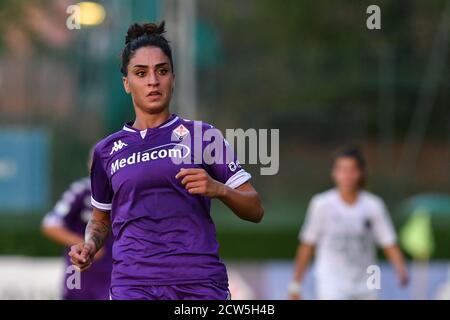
[
  {"x": 66, "y": 225},
  {"x": 342, "y": 226},
  {"x": 165, "y": 244}
]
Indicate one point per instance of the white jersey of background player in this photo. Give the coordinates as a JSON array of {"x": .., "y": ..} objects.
[{"x": 343, "y": 226}]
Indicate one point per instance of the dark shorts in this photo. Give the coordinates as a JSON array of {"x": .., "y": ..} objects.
[{"x": 200, "y": 291}]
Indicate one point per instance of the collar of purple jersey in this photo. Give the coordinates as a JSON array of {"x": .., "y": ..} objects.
[{"x": 172, "y": 119}]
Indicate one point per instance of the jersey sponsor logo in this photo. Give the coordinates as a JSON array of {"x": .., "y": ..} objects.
[
  {"x": 170, "y": 150},
  {"x": 118, "y": 145}
]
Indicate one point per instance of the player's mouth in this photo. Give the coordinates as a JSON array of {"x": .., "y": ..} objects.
[{"x": 153, "y": 95}]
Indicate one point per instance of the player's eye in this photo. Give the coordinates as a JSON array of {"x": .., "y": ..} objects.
[
  {"x": 140, "y": 73},
  {"x": 163, "y": 71}
]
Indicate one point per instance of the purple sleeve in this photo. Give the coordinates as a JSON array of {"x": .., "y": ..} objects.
[
  {"x": 67, "y": 206},
  {"x": 221, "y": 162},
  {"x": 102, "y": 192}
]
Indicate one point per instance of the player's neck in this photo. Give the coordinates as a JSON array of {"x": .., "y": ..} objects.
[
  {"x": 150, "y": 120},
  {"x": 349, "y": 196}
]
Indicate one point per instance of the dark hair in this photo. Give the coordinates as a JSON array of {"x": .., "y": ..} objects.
[
  {"x": 142, "y": 35},
  {"x": 355, "y": 153}
]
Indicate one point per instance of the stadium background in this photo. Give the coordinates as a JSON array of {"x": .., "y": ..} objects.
[{"x": 309, "y": 68}]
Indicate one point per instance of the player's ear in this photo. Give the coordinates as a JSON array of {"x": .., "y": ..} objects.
[{"x": 126, "y": 85}]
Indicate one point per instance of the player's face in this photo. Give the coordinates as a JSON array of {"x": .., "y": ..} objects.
[
  {"x": 150, "y": 80},
  {"x": 346, "y": 174}
]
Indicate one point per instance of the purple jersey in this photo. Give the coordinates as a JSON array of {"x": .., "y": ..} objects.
[
  {"x": 73, "y": 211},
  {"x": 163, "y": 235}
]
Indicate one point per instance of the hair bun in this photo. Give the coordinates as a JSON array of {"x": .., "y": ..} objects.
[{"x": 137, "y": 30}]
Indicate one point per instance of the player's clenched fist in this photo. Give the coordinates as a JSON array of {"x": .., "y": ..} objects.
[
  {"x": 198, "y": 181},
  {"x": 82, "y": 255}
]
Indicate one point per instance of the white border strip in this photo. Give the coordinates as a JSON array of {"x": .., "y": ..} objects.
[
  {"x": 238, "y": 178},
  {"x": 127, "y": 129},
  {"x": 52, "y": 220},
  {"x": 166, "y": 125},
  {"x": 169, "y": 123},
  {"x": 101, "y": 206}
]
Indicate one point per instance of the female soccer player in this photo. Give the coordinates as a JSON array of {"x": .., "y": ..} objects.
[
  {"x": 342, "y": 225},
  {"x": 154, "y": 190},
  {"x": 65, "y": 225}
]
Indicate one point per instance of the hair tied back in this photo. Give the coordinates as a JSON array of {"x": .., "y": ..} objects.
[{"x": 137, "y": 30}]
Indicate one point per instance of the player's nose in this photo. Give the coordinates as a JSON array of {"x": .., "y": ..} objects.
[{"x": 152, "y": 79}]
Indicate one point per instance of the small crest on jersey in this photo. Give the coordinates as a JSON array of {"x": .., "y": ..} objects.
[
  {"x": 180, "y": 132},
  {"x": 118, "y": 145}
]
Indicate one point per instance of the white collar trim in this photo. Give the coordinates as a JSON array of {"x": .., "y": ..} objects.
[{"x": 143, "y": 132}]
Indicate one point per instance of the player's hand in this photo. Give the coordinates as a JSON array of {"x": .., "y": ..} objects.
[
  {"x": 403, "y": 278},
  {"x": 198, "y": 181},
  {"x": 81, "y": 255},
  {"x": 295, "y": 296}
]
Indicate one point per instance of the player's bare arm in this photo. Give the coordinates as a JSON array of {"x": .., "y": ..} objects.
[
  {"x": 395, "y": 256},
  {"x": 97, "y": 231},
  {"x": 61, "y": 235},
  {"x": 244, "y": 201},
  {"x": 305, "y": 251},
  {"x": 98, "y": 228}
]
